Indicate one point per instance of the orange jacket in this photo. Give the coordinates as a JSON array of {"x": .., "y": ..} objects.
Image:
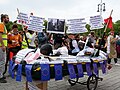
[
  {"x": 14, "y": 40},
  {"x": 1, "y": 27}
]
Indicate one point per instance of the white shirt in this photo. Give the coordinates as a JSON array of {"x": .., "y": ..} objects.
[
  {"x": 75, "y": 45},
  {"x": 32, "y": 38},
  {"x": 63, "y": 50}
]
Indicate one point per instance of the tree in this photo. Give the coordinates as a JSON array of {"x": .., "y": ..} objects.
[{"x": 116, "y": 27}]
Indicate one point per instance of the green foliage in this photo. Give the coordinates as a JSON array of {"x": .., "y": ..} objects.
[
  {"x": 45, "y": 24},
  {"x": 116, "y": 27},
  {"x": 9, "y": 26}
]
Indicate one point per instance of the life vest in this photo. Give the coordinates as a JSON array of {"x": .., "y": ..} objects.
[
  {"x": 24, "y": 43},
  {"x": 4, "y": 36}
]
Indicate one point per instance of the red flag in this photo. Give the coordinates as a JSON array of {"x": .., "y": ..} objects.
[{"x": 109, "y": 21}]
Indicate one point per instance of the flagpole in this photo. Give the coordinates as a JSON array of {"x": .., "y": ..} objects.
[
  {"x": 23, "y": 28},
  {"x": 99, "y": 47}
]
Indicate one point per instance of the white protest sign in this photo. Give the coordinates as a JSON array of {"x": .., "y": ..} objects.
[
  {"x": 22, "y": 18},
  {"x": 35, "y": 23},
  {"x": 96, "y": 22},
  {"x": 76, "y": 25}
]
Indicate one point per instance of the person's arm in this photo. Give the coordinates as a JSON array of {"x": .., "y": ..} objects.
[
  {"x": 112, "y": 40},
  {"x": 20, "y": 38},
  {"x": 1, "y": 32},
  {"x": 1, "y": 41}
]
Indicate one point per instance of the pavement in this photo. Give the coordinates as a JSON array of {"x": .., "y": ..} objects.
[{"x": 111, "y": 81}]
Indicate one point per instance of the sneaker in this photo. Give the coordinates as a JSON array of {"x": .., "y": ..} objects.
[
  {"x": 117, "y": 64},
  {"x": 2, "y": 80}
]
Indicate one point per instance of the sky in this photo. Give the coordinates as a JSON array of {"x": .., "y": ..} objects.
[{"x": 61, "y": 9}]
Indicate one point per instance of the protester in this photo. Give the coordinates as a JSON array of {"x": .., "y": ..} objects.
[
  {"x": 14, "y": 40},
  {"x": 91, "y": 40},
  {"x": 111, "y": 48},
  {"x": 30, "y": 37},
  {"x": 57, "y": 40},
  {"x": 74, "y": 49},
  {"x": 42, "y": 39},
  {"x": 118, "y": 46},
  {"x": 3, "y": 46},
  {"x": 62, "y": 50}
]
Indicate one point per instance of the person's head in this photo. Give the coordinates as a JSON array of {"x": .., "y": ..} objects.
[
  {"x": 64, "y": 42},
  {"x": 4, "y": 18},
  {"x": 111, "y": 33},
  {"x": 46, "y": 49},
  {"x": 31, "y": 32},
  {"x": 92, "y": 33},
  {"x": 15, "y": 29}
]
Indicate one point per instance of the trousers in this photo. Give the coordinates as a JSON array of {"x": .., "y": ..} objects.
[{"x": 2, "y": 62}]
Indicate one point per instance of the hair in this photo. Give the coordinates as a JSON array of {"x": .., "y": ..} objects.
[
  {"x": 3, "y": 16},
  {"x": 25, "y": 28},
  {"x": 14, "y": 26},
  {"x": 46, "y": 49},
  {"x": 92, "y": 32}
]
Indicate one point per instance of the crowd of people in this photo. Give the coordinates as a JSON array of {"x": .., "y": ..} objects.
[{"x": 70, "y": 44}]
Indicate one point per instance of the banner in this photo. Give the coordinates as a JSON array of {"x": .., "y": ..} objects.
[
  {"x": 28, "y": 72},
  {"x": 36, "y": 23},
  {"x": 56, "y": 25},
  {"x": 96, "y": 22},
  {"x": 22, "y": 18},
  {"x": 88, "y": 69},
  {"x": 103, "y": 67},
  {"x": 76, "y": 25},
  {"x": 58, "y": 71},
  {"x": 13, "y": 71},
  {"x": 95, "y": 68},
  {"x": 45, "y": 72},
  {"x": 71, "y": 71},
  {"x": 80, "y": 70},
  {"x": 19, "y": 72},
  {"x": 10, "y": 67}
]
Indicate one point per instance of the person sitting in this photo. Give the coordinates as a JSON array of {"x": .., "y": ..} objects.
[{"x": 62, "y": 50}]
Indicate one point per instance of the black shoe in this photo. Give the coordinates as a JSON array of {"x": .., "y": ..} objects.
[
  {"x": 2, "y": 80},
  {"x": 4, "y": 77}
]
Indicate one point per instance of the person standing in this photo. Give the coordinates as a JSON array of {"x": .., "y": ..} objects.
[
  {"x": 3, "y": 45},
  {"x": 111, "y": 48},
  {"x": 118, "y": 45},
  {"x": 14, "y": 40},
  {"x": 30, "y": 36}
]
